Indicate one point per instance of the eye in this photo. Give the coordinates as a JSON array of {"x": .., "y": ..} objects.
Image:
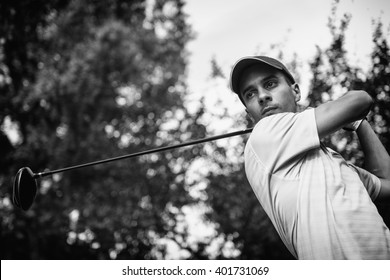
[
  {"x": 249, "y": 94},
  {"x": 270, "y": 84}
]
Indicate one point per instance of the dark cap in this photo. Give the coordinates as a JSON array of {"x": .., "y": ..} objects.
[{"x": 245, "y": 62}]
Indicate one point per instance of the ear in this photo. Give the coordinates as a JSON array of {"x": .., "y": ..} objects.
[{"x": 297, "y": 92}]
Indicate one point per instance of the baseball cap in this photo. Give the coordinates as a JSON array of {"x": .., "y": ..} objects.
[{"x": 247, "y": 61}]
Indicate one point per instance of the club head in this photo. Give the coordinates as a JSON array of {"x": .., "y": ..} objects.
[{"x": 24, "y": 188}]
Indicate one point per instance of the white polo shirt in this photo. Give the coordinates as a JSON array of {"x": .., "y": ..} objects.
[{"x": 320, "y": 205}]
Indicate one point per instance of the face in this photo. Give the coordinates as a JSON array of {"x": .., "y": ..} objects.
[{"x": 265, "y": 91}]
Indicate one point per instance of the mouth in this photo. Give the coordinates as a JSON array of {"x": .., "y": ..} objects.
[{"x": 268, "y": 110}]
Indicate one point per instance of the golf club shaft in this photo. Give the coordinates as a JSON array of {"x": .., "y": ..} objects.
[{"x": 194, "y": 142}]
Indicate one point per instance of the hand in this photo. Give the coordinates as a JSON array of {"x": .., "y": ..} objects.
[{"x": 353, "y": 126}]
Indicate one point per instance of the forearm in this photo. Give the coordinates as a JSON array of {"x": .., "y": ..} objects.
[
  {"x": 333, "y": 115},
  {"x": 377, "y": 160}
]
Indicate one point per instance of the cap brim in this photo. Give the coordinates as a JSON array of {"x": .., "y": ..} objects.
[{"x": 242, "y": 64}]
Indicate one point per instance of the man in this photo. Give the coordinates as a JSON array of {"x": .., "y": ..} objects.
[{"x": 321, "y": 206}]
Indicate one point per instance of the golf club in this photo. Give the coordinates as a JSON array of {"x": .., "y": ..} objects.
[{"x": 25, "y": 183}]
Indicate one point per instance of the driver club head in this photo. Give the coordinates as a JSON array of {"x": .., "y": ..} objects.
[{"x": 24, "y": 188}]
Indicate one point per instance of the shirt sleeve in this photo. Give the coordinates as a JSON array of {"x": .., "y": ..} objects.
[
  {"x": 370, "y": 181},
  {"x": 280, "y": 140}
]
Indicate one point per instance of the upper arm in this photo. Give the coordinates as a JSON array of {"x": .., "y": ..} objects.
[
  {"x": 377, "y": 188},
  {"x": 333, "y": 115},
  {"x": 384, "y": 193}
]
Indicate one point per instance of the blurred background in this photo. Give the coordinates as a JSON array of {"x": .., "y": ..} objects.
[{"x": 88, "y": 80}]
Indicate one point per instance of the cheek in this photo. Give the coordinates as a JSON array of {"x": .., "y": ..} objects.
[
  {"x": 287, "y": 103},
  {"x": 255, "y": 112}
]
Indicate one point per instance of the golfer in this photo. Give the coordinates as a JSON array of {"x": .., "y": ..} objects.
[{"x": 321, "y": 206}]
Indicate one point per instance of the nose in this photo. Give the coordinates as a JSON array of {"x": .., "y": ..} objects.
[{"x": 264, "y": 98}]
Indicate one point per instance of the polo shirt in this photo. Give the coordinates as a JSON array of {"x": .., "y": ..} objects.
[{"x": 321, "y": 206}]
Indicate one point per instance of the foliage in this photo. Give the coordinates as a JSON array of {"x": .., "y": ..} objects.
[
  {"x": 333, "y": 76},
  {"x": 238, "y": 213},
  {"x": 378, "y": 85},
  {"x": 91, "y": 81}
]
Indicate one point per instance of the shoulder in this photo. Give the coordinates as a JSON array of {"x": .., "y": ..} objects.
[
  {"x": 278, "y": 139},
  {"x": 279, "y": 125}
]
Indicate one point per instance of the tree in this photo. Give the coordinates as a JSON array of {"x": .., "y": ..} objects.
[
  {"x": 378, "y": 85},
  {"x": 237, "y": 212},
  {"x": 333, "y": 76},
  {"x": 240, "y": 222},
  {"x": 106, "y": 79}
]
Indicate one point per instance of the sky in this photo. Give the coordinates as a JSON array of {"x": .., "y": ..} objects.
[{"x": 230, "y": 29}]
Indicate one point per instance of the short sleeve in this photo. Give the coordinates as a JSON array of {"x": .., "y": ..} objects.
[
  {"x": 370, "y": 181},
  {"x": 280, "y": 140}
]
